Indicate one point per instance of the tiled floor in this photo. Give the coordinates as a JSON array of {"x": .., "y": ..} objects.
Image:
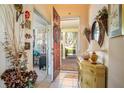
[
  {"x": 43, "y": 79},
  {"x": 42, "y": 74},
  {"x": 66, "y": 79}
]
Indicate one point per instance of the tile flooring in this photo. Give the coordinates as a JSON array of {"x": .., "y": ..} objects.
[{"x": 66, "y": 79}]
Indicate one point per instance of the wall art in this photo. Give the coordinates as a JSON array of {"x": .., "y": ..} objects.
[
  {"x": 115, "y": 20},
  {"x": 28, "y": 24},
  {"x": 27, "y": 45},
  {"x": 27, "y": 15},
  {"x": 19, "y": 8},
  {"x": 27, "y": 36}
]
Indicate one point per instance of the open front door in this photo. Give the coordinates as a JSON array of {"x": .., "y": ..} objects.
[{"x": 56, "y": 43}]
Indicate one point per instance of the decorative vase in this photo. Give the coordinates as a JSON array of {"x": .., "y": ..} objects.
[{"x": 94, "y": 58}]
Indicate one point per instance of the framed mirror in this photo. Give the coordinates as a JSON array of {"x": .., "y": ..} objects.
[{"x": 98, "y": 32}]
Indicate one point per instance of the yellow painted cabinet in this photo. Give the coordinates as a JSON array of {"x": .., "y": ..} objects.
[{"x": 91, "y": 75}]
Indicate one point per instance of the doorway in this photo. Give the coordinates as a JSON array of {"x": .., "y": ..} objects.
[
  {"x": 40, "y": 46},
  {"x": 69, "y": 43}
]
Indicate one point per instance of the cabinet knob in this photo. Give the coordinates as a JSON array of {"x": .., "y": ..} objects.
[
  {"x": 95, "y": 79},
  {"x": 91, "y": 71}
]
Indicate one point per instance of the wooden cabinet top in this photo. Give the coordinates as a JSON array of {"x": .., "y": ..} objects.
[{"x": 89, "y": 64}]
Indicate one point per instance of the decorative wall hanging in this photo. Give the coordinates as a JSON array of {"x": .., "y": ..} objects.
[
  {"x": 28, "y": 24},
  {"x": 27, "y": 15},
  {"x": 87, "y": 33},
  {"x": 27, "y": 45},
  {"x": 19, "y": 8},
  {"x": 22, "y": 24},
  {"x": 27, "y": 36},
  {"x": 103, "y": 17},
  {"x": 115, "y": 20}
]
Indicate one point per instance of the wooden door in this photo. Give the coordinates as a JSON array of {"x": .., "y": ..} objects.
[{"x": 56, "y": 43}]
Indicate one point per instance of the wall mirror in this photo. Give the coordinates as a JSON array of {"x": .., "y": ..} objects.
[{"x": 98, "y": 32}]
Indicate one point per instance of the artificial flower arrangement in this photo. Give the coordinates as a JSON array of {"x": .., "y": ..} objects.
[{"x": 16, "y": 76}]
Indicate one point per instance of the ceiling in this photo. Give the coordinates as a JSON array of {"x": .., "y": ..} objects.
[
  {"x": 70, "y": 23},
  {"x": 64, "y": 10}
]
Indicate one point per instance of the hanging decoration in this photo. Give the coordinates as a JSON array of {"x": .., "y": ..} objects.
[
  {"x": 28, "y": 24},
  {"x": 27, "y": 21},
  {"x": 27, "y": 15},
  {"x": 27, "y": 36},
  {"x": 19, "y": 9},
  {"x": 27, "y": 45},
  {"x": 22, "y": 24},
  {"x": 103, "y": 17}
]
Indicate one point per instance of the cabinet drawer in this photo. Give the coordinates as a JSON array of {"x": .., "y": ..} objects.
[
  {"x": 88, "y": 81},
  {"x": 92, "y": 75},
  {"x": 89, "y": 70}
]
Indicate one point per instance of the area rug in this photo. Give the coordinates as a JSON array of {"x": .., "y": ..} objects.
[{"x": 69, "y": 64}]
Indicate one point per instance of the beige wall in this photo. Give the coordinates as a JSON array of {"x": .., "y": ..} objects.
[{"x": 116, "y": 60}]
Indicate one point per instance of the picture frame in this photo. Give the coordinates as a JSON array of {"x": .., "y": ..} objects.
[
  {"x": 28, "y": 24},
  {"x": 27, "y": 46},
  {"x": 115, "y": 20}
]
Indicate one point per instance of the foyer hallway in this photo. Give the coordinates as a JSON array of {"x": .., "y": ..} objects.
[{"x": 67, "y": 78}]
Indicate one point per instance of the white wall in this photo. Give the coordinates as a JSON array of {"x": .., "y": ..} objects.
[{"x": 6, "y": 14}]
